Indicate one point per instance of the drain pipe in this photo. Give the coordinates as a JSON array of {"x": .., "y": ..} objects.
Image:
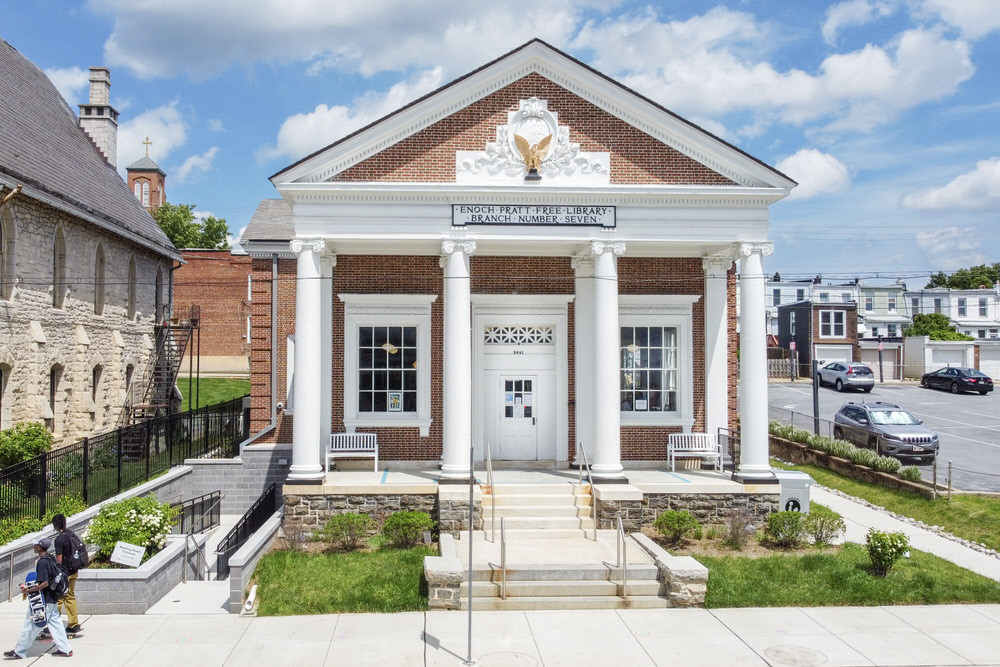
[{"x": 274, "y": 357}]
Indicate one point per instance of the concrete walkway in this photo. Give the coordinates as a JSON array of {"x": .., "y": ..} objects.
[{"x": 177, "y": 633}]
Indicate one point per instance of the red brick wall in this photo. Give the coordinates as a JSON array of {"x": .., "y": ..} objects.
[
  {"x": 216, "y": 282},
  {"x": 429, "y": 155},
  {"x": 263, "y": 295}
]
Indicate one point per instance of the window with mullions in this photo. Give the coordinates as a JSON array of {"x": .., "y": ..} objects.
[
  {"x": 387, "y": 369},
  {"x": 649, "y": 369}
]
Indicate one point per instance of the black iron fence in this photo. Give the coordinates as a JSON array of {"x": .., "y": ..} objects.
[
  {"x": 730, "y": 442},
  {"x": 249, "y": 523},
  {"x": 107, "y": 464}
]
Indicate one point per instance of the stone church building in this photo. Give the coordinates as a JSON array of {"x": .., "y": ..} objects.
[
  {"x": 85, "y": 271},
  {"x": 532, "y": 257}
]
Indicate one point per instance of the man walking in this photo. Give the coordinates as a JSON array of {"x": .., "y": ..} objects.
[
  {"x": 45, "y": 569},
  {"x": 64, "y": 556}
]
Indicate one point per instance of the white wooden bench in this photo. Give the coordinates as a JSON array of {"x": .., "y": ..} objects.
[
  {"x": 704, "y": 445},
  {"x": 352, "y": 445}
]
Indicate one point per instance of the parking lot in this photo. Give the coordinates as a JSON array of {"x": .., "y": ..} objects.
[{"x": 968, "y": 424}]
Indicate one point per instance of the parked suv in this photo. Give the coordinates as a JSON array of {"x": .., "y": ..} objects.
[
  {"x": 887, "y": 428},
  {"x": 846, "y": 374}
]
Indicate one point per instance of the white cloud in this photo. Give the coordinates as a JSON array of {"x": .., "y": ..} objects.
[
  {"x": 202, "y": 39},
  {"x": 216, "y": 125},
  {"x": 852, "y": 13},
  {"x": 73, "y": 83},
  {"x": 165, "y": 128},
  {"x": 975, "y": 18},
  {"x": 195, "y": 164},
  {"x": 305, "y": 133},
  {"x": 952, "y": 247},
  {"x": 978, "y": 189},
  {"x": 816, "y": 173}
]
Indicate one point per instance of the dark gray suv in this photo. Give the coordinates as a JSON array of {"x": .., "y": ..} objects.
[{"x": 887, "y": 428}]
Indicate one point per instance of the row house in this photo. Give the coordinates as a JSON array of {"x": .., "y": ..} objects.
[{"x": 974, "y": 312}]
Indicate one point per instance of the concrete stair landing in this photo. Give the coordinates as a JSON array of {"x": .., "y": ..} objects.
[{"x": 553, "y": 560}]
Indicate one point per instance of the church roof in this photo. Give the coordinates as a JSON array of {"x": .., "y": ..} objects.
[
  {"x": 272, "y": 221},
  {"x": 43, "y": 148},
  {"x": 145, "y": 163}
]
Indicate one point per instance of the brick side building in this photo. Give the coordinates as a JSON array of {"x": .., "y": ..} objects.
[
  {"x": 533, "y": 258},
  {"x": 217, "y": 283}
]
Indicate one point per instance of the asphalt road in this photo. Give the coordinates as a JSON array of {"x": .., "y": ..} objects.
[{"x": 968, "y": 424}]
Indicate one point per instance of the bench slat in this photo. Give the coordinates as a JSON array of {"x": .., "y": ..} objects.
[
  {"x": 698, "y": 444},
  {"x": 352, "y": 445}
]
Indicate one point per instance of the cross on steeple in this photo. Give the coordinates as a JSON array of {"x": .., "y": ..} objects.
[{"x": 147, "y": 143}]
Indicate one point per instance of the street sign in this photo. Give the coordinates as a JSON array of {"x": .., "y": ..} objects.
[
  {"x": 881, "y": 346},
  {"x": 791, "y": 346}
]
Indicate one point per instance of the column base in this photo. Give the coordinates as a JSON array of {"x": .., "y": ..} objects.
[
  {"x": 610, "y": 480},
  {"x": 755, "y": 477},
  {"x": 608, "y": 474},
  {"x": 305, "y": 475},
  {"x": 451, "y": 474}
]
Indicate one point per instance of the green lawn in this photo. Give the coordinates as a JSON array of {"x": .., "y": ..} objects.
[
  {"x": 840, "y": 578},
  {"x": 975, "y": 518},
  {"x": 212, "y": 390},
  {"x": 383, "y": 580}
]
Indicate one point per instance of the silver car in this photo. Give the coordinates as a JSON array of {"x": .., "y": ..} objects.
[
  {"x": 887, "y": 428},
  {"x": 846, "y": 375}
]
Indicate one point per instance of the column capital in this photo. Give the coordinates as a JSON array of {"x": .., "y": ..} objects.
[
  {"x": 719, "y": 262},
  {"x": 600, "y": 247},
  {"x": 314, "y": 245},
  {"x": 451, "y": 246},
  {"x": 747, "y": 248}
]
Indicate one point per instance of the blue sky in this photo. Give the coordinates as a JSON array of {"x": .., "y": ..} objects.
[{"x": 885, "y": 111}]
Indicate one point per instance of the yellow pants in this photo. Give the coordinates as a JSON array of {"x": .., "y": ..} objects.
[{"x": 70, "y": 602}]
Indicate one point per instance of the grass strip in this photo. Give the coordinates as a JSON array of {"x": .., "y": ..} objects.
[
  {"x": 841, "y": 578},
  {"x": 385, "y": 580},
  {"x": 975, "y": 518},
  {"x": 211, "y": 390}
]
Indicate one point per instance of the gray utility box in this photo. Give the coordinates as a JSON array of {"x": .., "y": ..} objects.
[{"x": 794, "y": 490}]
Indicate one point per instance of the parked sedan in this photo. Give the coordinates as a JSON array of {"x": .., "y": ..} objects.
[
  {"x": 846, "y": 375},
  {"x": 957, "y": 380},
  {"x": 887, "y": 428}
]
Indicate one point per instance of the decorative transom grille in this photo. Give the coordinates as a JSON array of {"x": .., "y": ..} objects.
[{"x": 518, "y": 336}]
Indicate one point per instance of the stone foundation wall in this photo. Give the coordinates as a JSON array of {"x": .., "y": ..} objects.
[
  {"x": 308, "y": 513},
  {"x": 706, "y": 507}
]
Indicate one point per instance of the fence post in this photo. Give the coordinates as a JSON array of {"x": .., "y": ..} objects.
[
  {"x": 120, "y": 454},
  {"x": 148, "y": 428},
  {"x": 949, "y": 480},
  {"x": 44, "y": 486},
  {"x": 86, "y": 470}
]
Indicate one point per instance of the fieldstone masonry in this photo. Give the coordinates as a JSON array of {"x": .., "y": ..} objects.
[{"x": 82, "y": 346}]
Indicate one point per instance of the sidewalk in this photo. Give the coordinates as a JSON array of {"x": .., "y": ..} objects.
[{"x": 905, "y": 635}]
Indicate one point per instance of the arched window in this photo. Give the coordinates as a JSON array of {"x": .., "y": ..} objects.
[
  {"x": 145, "y": 193},
  {"x": 4, "y": 377},
  {"x": 99, "y": 280},
  {"x": 137, "y": 187},
  {"x": 6, "y": 253},
  {"x": 55, "y": 377},
  {"x": 131, "y": 288},
  {"x": 95, "y": 391},
  {"x": 58, "y": 269},
  {"x": 158, "y": 299}
]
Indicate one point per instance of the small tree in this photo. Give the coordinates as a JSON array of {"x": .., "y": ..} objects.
[
  {"x": 23, "y": 441},
  {"x": 675, "y": 525},
  {"x": 405, "y": 529},
  {"x": 937, "y": 326},
  {"x": 184, "y": 230}
]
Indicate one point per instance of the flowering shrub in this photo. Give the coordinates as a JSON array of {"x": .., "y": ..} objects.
[
  {"x": 884, "y": 549},
  {"x": 864, "y": 457},
  {"x": 887, "y": 464},
  {"x": 144, "y": 522}
]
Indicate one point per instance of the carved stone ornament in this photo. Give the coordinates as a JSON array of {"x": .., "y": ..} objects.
[
  {"x": 315, "y": 245},
  {"x": 532, "y": 141},
  {"x": 748, "y": 248}
]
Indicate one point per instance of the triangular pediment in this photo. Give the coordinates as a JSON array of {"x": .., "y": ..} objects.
[{"x": 490, "y": 126}]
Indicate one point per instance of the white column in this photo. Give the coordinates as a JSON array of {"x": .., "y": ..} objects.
[
  {"x": 327, "y": 263},
  {"x": 306, "y": 466},
  {"x": 457, "y": 357},
  {"x": 606, "y": 459},
  {"x": 754, "y": 465},
  {"x": 716, "y": 342},
  {"x": 583, "y": 360}
]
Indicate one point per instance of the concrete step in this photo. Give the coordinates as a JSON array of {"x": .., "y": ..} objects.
[
  {"x": 543, "y": 523},
  {"x": 536, "y": 499},
  {"x": 539, "y": 534},
  {"x": 551, "y": 603},
  {"x": 535, "y": 510},
  {"x": 540, "y": 489},
  {"x": 571, "y": 573},
  {"x": 561, "y": 589}
]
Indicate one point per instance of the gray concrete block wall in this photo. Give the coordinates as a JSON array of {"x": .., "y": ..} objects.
[{"x": 241, "y": 480}]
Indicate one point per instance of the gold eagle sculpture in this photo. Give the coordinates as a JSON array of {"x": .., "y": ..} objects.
[{"x": 532, "y": 154}]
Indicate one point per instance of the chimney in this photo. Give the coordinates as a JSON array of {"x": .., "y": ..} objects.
[{"x": 98, "y": 118}]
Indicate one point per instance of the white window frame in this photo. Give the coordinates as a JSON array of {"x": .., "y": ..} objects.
[
  {"x": 664, "y": 311},
  {"x": 983, "y": 306},
  {"x": 891, "y": 303},
  {"x": 407, "y": 310},
  {"x": 776, "y": 297},
  {"x": 833, "y": 324},
  {"x": 961, "y": 307},
  {"x": 869, "y": 302}
]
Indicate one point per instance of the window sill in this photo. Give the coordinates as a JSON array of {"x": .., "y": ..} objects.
[
  {"x": 389, "y": 422},
  {"x": 656, "y": 419}
]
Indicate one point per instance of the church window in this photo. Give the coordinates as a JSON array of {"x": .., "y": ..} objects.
[
  {"x": 58, "y": 269},
  {"x": 6, "y": 253},
  {"x": 99, "y": 267},
  {"x": 145, "y": 193}
]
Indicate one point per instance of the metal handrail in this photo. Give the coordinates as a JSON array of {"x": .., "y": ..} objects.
[
  {"x": 200, "y": 558},
  {"x": 493, "y": 496},
  {"x": 622, "y": 557},
  {"x": 590, "y": 480},
  {"x": 503, "y": 560}
]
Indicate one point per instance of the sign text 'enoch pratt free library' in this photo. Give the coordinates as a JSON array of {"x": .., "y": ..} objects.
[{"x": 503, "y": 214}]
